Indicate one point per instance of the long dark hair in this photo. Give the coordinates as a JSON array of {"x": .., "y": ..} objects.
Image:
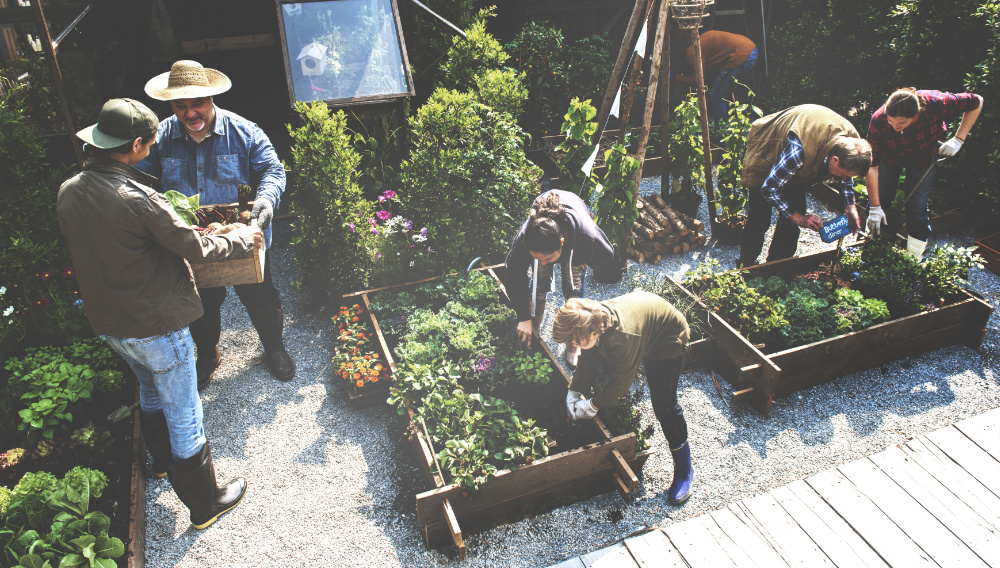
[
  {"x": 547, "y": 223},
  {"x": 903, "y": 103}
]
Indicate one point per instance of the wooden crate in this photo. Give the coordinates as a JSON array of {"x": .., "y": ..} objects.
[
  {"x": 989, "y": 249},
  {"x": 246, "y": 270},
  {"x": 758, "y": 377},
  {"x": 447, "y": 512}
]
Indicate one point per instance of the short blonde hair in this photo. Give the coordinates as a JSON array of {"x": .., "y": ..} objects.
[{"x": 578, "y": 318}]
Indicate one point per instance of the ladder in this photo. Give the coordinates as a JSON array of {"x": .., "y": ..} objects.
[{"x": 731, "y": 8}]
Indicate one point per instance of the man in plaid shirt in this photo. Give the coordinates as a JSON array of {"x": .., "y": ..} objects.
[
  {"x": 903, "y": 134},
  {"x": 786, "y": 152}
]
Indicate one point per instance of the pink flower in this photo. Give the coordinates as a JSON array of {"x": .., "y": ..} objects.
[
  {"x": 383, "y": 215},
  {"x": 388, "y": 194},
  {"x": 381, "y": 199},
  {"x": 41, "y": 302},
  {"x": 378, "y": 256},
  {"x": 371, "y": 221},
  {"x": 68, "y": 272},
  {"x": 45, "y": 275},
  {"x": 374, "y": 231},
  {"x": 350, "y": 227}
]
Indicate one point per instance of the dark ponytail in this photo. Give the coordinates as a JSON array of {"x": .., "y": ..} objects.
[
  {"x": 547, "y": 223},
  {"x": 904, "y": 103}
]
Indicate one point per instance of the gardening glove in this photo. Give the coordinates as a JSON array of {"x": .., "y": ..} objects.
[
  {"x": 876, "y": 218},
  {"x": 584, "y": 410},
  {"x": 951, "y": 147},
  {"x": 572, "y": 397},
  {"x": 262, "y": 212}
]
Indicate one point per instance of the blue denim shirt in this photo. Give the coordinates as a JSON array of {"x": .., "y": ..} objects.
[{"x": 236, "y": 151}]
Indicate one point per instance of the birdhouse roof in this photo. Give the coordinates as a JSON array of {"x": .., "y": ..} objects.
[{"x": 314, "y": 50}]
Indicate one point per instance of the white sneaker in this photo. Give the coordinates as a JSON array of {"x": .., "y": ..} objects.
[{"x": 572, "y": 356}]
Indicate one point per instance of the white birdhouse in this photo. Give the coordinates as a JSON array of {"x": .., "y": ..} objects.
[{"x": 313, "y": 59}]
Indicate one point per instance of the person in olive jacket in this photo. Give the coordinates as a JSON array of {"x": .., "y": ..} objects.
[{"x": 637, "y": 328}]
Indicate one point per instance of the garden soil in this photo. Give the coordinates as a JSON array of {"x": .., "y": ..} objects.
[{"x": 332, "y": 485}]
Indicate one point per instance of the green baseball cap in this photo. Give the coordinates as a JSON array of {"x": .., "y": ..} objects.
[{"x": 121, "y": 121}]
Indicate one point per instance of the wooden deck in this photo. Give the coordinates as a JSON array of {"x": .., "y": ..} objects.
[{"x": 933, "y": 502}]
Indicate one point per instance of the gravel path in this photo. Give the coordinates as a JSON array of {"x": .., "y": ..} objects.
[{"x": 331, "y": 485}]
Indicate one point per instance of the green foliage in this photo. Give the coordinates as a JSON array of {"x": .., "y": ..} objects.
[
  {"x": 467, "y": 179},
  {"x": 328, "y": 200},
  {"x": 890, "y": 273},
  {"x": 732, "y": 136},
  {"x": 93, "y": 439},
  {"x": 49, "y": 522},
  {"x": 532, "y": 368},
  {"x": 5, "y": 497},
  {"x": 392, "y": 310},
  {"x": 625, "y": 415},
  {"x": 52, "y": 393},
  {"x": 808, "y": 318},
  {"x": 945, "y": 270},
  {"x": 616, "y": 204},
  {"x": 37, "y": 284},
  {"x": 726, "y": 292},
  {"x": 687, "y": 149},
  {"x": 664, "y": 287},
  {"x": 854, "y": 312},
  {"x": 580, "y": 127},
  {"x": 985, "y": 78},
  {"x": 555, "y": 68},
  {"x": 427, "y": 39},
  {"x": 471, "y": 56},
  {"x": 502, "y": 90}
]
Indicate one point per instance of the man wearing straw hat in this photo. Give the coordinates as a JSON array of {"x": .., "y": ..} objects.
[
  {"x": 128, "y": 248},
  {"x": 208, "y": 151}
]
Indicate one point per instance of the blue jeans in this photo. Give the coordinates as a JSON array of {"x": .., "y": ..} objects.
[
  {"x": 918, "y": 216},
  {"x": 168, "y": 383},
  {"x": 723, "y": 85}
]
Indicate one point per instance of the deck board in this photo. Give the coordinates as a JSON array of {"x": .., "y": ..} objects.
[{"x": 932, "y": 502}]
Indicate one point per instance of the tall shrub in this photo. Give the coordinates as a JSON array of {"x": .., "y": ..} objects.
[
  {"x": 466, "y": 179},
  {"x": 981, "y": 155},
  {"x": 470, "y": 56},
  {"x": 330, "y": 235},
  {"x": 38, "y": 292}
]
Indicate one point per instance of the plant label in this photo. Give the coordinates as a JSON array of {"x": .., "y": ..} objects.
[{"x": 835, "y": 229}]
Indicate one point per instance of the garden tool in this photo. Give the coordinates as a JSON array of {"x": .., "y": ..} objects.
[{"x": 122, "y": 413}]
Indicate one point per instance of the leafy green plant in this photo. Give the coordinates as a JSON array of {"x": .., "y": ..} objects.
[
  {"x": 502, "y": 90},
  {"x": 466, "y": 179},
  {"x": 687, "y": 151},
  {"x": 49, "y": 522},
  {"x": 52, "y": 393},
  {"x": 334, "y": 254},
  {"x": 732, "y": 136},
  {"x": 726, "y": 292},
  {"x": 625, "y": 415},
  {"x": 616, "y": 204},
  {"x": 945, "y": 270},
  {"x": 889, "y": 273},
  {"x": 580, "y": 127},
  {"x": 532, "y": 368},
  {"x": 471, "y": 56}
]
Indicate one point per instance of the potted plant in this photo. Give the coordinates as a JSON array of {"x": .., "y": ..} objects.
[
  {"x": 687, "y": 155},
  {"x": 732, "y": 196},
  {"x": 616, "y": 210}
]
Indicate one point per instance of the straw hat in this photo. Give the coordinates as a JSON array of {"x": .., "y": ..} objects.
[{"x": 187, "y": 80}]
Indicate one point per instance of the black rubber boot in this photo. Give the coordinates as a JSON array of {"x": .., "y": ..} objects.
[
  {"x": 194, "y": 482},
  {"x": 205, "y": 332},
  {"x": 269, "y": 324},
  {"x": 157, "y": 437}
]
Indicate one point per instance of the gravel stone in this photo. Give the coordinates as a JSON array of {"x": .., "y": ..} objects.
[{"x": 332, "y": 485}]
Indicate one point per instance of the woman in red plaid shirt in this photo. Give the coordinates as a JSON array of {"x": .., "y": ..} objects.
[{"x": 903, "y": 133}]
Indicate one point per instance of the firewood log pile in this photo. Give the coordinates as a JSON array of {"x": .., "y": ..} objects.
[{"x": 660, "y": 230}]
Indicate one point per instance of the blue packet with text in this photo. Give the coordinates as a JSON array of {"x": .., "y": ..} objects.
[{"x": 835, "y": 229}]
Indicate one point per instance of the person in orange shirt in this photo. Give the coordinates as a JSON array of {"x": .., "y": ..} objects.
[{"x": 724, "y": 56}]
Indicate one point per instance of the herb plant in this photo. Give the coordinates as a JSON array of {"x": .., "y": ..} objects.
[
  {"x": 726, "y": 292},
  {"x": 532, "y": 368},
  {"x": 687, "y": 151},
  {"x": 616, "y": 204},
  {"x": 733, "y": 131},
  {"x": 580, "y": 127}
]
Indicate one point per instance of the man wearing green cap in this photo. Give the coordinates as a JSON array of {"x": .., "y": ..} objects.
[
  {"x": 208, "y": 151},
  {"x": 129, "y": 249}
]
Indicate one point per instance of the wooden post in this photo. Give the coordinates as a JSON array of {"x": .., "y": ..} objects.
[
  {"x": 699, "y": 75},
  {"x": 50, "y": 55},
  {"x": 665, "y": 113},
  {"x": 623, "y": 57},
  {"x": 654, "y": 79}
]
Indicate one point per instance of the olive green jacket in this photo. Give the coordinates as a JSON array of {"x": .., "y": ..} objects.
[
  {"x": 818, "y": 129},
  {"x": 643, "y": 326}
]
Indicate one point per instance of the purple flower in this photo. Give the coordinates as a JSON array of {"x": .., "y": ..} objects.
[
  {"x": 409, "y": 225},
  {"x": 350, "y": 227},
  {"x": 381, "y": 199},
  {"x": 378, "y": 256},
  {"x": 374, "y": 230},
  {"x": 68, "y": 272},
  {"x": 423, "y": 232},
  {"x": 383, "y": 215},
  {"x": 484, "y": 364},
  {"x": 429, "y": 249},
  {"x": 371, "y": 221}
]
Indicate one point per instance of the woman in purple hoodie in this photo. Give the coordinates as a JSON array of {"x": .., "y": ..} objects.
[{"x": 560, "y": 230}]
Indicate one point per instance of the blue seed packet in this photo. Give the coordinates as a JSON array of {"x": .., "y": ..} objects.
[{"x": 835, "y": 229}]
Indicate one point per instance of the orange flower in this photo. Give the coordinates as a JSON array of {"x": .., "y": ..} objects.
[
  {"x": 378, "y": 366},
  {"x": 348, "y": 364},
  {"x": 357, "y": 375},
  {"x": 359, "y": 384},
  {"x": 355, "y": 318},
  {"x": 375, "y": 379}
]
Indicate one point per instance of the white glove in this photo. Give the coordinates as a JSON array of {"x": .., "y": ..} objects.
[
  {"x": 583, "y": 410},
  {"x": 572, "y": 397},
  {"x": 951, "y": 147},
  {"x": 876, "y": 218},
  {"x": 262, "y": 212}
]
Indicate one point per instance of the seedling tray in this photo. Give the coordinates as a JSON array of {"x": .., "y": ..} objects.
[
  {"x": 759, "y": 377},
  {"x": 584, "y": 461}
]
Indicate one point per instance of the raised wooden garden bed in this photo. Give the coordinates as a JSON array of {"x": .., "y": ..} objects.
[
  {"x": 583, "y": 461},
  {"x": 758, "y": 377},
  {"x": 943, "y": 222},
  {"x": 989, "y": 249}
]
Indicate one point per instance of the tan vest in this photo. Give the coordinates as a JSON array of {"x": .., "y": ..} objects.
[{"x": 817, "y": 127}]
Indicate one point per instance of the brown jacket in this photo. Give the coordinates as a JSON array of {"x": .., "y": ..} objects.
[
  {"x": 643, "y": 326},
  {"x": 817, "y": 127},
  {"x": 721, "y": 49},
  {"x": 129, "y": 248}
]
